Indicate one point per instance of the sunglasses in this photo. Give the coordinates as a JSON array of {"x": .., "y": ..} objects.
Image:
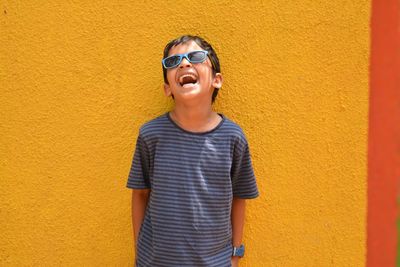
[{"x": 193, "y": 57}]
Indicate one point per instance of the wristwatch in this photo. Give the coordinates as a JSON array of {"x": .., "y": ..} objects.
[{"x": 238, "y": 251}]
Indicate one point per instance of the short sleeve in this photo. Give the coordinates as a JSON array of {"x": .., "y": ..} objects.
[
  {"x": 242, "y": 173},
  {"x": 139, "y": 173}
]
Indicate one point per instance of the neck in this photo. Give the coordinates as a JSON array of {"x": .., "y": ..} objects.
[
  {"x": 195, "y": 117},
  {"x": 192, "y": 115}
]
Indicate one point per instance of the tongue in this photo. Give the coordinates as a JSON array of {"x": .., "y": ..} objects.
[{"x": 188, "y": 79}]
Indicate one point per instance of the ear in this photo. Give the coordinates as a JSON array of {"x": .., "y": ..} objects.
[
  {"x": 167, "y": 90},
  {"x": 217, "y": 81}
]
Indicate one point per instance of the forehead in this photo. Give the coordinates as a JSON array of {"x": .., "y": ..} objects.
[{"x": 184, "y": 48}]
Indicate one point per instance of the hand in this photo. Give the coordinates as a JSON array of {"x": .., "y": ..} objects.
[{"x": 235, "y": 261}]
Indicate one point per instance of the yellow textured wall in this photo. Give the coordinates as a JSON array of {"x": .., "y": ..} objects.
[{"x": 78, "y": 78}]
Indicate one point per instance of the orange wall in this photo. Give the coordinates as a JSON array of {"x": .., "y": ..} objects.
[{"x": 78, "y": 78}]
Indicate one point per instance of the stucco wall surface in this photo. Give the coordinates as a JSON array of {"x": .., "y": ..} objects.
[{"x": 78, "y": 78}]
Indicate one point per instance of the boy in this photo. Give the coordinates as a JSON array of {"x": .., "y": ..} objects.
[{"x": 191, "y": 170}]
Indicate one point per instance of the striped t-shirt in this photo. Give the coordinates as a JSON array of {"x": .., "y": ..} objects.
[{"x": 193, "y": 177}]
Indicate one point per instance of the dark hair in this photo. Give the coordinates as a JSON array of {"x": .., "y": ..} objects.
[{"x": 203, "y": 44}]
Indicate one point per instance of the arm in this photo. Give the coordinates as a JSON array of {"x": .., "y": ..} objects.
[
  {"x": 140, "y": 198},
  {"x": 237, "y": 219}
]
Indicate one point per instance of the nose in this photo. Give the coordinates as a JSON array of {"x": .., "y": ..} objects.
[{"x": 185, "y": 63}]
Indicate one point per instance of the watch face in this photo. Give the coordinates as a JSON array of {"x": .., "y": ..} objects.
[{"x": 238, "y": 251}]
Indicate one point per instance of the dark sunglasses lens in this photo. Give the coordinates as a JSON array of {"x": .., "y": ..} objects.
[
  {"x": 197, "y": 56},
  {"x": 171, "y": 61}
]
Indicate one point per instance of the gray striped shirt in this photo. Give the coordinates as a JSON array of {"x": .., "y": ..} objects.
[{"x": 192, "y": 177}]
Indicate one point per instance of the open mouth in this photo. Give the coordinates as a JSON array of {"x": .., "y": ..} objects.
[{"x": 187, "y": 79}]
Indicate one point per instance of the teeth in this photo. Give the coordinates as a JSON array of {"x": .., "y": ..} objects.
[{"x": 187, "y": 75}]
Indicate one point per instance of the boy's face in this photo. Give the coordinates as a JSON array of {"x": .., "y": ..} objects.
[{"x": 191, "y": 81}]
